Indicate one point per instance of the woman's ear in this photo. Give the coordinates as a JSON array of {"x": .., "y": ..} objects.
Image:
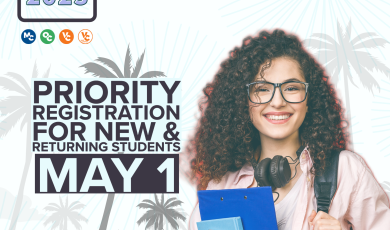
[{"x": 307, "y": 109}]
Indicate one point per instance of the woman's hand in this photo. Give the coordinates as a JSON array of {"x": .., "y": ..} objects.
[{"x": 323, "y": 221}]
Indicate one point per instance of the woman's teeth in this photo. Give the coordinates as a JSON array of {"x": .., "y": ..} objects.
[{"x": 273, "y": 117}]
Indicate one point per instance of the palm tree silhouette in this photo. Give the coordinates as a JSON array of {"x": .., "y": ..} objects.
[
  {"x": 345, "y": 53},
  {"x": 98, "y": 70},
  {"x": 62, "y": 213},
  {"x": 158, "y": 210},
  {"x": 386, "y": 186},
  {"x": 18, "y": 108}
]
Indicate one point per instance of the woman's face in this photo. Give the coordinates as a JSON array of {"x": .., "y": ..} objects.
[{"x": 281, "y": 70}]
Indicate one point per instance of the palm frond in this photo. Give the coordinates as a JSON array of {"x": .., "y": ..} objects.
[
  {"x": 62, "y": 205},
  {"x": 175, "y": 214},
  {"x": 325, "y": 37},
  {"x": 57, "y": 224},
  {"x": 347, "y": 73},
  {"x": 171, "y": 221},
  {"x": 77, "y": 206},
  {"x": 10, "y": 121},
  {"x": 46, "y": 75},
  {"x": 367, "y": 80},
  {"x": 50, "y": 208},
  {"x": 318, "y": 44},
  {"x": 156, "y": 222},
  {"x": 11, "y": 85},
  {"x": 21, "y": 80},
  {"x": 55, "y": 205},
  {"x": 156, "y": 199},
  {"x": 73, "y": 203},
  {"x": 150, "y": 202},
  {"x": 372, "y": 43},
  {"x": 386, "y": 185},
  {"x": 97, "y": 70},
  {"x": 127, "y": 67},
  {"x": 151, "y": 74},
  {"x": 52, "y": 218},
  {"x": 10, "y": 104},
  {"x": 35, "y": 70},
  {"x": 75, "y": 223},
  {"x": 362, "y": 37},
  {"x": 347, "y": 34},
  {"x": 110, "y": 64},
  {"x": 147, "y": 216},
  {"x": 325, "y": 56},
  {"x": 75, "y": 218},
  {"x": 334, "y": 67},
  {"x": 369, "y": 62},
  {"x": 143, "y": 205},
  {"x": 169, "y": 200},
  {"x": 174, "y": 203},
  {"x": 138, "y": 65},
  {"x": 151, "y": 221},
  {"x": 339, "y": 32}
]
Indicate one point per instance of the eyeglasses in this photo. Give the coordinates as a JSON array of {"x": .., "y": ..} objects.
[{"x": 262, "y": 92}]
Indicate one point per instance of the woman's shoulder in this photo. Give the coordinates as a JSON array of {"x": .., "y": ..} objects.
[
  {"x": 352, "y": 162},
  {"x": 354, "y": 172},
  {"x": 232, "y": 179},
  {"x": 226, "y": 181}
]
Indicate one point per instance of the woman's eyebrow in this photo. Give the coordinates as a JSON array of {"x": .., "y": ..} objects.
[{"x": 290, "y": 79}]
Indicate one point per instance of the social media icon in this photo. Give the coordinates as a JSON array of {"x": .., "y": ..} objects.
[
  {"x": 85, "y": 36},
  {"x": 66, "y": 36},
  {"x": 28, "y": 36},
  {"x": 47, "y": 36}
]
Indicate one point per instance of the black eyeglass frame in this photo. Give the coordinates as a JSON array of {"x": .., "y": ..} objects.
[{"x": 279, "y": 85}]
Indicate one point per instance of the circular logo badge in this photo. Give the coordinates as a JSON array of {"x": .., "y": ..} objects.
[
  {"x": 28, "y": 36},
  {"x": 66, "y": 36},
  {"x": 47, "y": 36},
  {"x": 85, "y": 36}
]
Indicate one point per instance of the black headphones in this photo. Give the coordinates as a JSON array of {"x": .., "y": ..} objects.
[{"x": 275, "y": 172}]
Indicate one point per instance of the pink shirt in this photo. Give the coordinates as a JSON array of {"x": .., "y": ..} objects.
[{"x": 359, "y": 199}]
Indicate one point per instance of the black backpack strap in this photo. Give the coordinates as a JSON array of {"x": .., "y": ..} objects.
[{"x": 325, "y": 185}]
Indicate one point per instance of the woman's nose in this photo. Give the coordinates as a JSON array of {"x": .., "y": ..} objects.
[{"x": 277, "y": 100}]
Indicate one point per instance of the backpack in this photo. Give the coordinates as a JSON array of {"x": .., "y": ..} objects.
[{"x": 325, "y": 185}]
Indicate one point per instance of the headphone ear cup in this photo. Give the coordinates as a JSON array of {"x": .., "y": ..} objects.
[
  {"x": 261, "y": 172},
  {"x": 274, "y": 171},
  {"x": 284, "y": 171}
]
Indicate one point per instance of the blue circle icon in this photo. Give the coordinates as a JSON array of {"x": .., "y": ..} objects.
[{"x": 28, "y": 36}]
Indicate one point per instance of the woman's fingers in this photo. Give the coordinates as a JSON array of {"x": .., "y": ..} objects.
[
  {"x": 322, "y": 215},
  {"x": 311, "y": 217},
  {"x": 324, "y": 221},
  {"x": 328, "y": 225}
]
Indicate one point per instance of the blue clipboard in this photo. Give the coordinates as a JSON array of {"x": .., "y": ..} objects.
[{"x": 255, "y": 206}]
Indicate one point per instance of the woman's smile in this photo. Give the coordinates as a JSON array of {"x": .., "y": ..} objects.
[{"x": 278, "y": 119}]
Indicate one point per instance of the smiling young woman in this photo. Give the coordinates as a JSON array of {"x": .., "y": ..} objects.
[{"x": 269, "y": 98}]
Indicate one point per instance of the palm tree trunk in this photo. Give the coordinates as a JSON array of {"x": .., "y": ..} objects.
[
  {"x": 348, "y": 108},
  {"x": 66, "y": 224},
  {"x": 107, "y": 209},
  {"x": 19, "y": 199}
]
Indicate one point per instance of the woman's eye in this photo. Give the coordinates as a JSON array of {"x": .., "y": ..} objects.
[{"x": 291, "y": 88}]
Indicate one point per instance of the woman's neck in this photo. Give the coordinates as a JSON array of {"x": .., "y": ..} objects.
[{"x": 284, "y": 147}]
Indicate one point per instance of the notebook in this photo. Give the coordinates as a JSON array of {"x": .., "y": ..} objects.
[
  {"x": 233, "y": 223},
  {"x": 255, "y": 206}
]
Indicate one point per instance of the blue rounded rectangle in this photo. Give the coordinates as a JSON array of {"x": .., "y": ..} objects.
[{"x": 57, "y": 10}]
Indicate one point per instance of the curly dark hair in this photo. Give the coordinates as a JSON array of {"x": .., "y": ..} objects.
[{"x": 225, "y": 138}]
